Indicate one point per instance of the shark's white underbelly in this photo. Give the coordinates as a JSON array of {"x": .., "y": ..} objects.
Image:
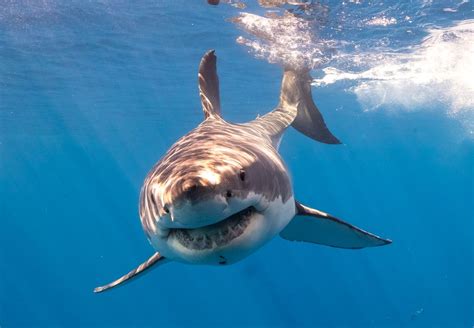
[{"x": 230, "y": 242}]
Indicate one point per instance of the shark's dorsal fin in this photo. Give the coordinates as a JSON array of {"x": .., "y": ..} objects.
[
  {"x": 296, "y": 108},
  {"x": 209, "y": 86},
  {"x": 314, "y": 226}
]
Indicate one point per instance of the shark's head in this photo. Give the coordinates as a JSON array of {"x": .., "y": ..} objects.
[
  {"x": 202, "y": 192},
  {"x": 205, "y": 190}
]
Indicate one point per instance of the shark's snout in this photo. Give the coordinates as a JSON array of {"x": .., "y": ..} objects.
[
  {"x": 195, "y": 201},
  {"x": 197, "y": 214},
  {"x": 191, "y": 190}
]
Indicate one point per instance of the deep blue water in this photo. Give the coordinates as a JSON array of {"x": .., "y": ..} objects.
[{"x": 93, "y": 93}]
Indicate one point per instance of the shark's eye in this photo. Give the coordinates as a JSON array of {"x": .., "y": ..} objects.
[
  {"x": 165, "y": 208},
  {"x": 228, "y": 194},
  {"x": 242, "y": 175}
]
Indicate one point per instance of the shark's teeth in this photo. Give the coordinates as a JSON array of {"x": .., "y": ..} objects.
[{"x": 214, "y": 235}]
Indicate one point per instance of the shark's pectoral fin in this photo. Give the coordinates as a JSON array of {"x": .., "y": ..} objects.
[
  {"x": 151, "y": 262},
  {"x": 311, "y": 225}
]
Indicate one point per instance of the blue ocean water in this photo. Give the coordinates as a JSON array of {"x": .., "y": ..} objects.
[{"x": 93, "y": 93}]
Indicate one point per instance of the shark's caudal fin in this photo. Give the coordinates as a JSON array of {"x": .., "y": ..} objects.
[
  {"x": 313, "y": 226},
  {"x": 151, "y": 262},
  {"x": 209, "y": 85},
  {"x": 296, "y": 92},
  {"x": 296, "y": 108}
]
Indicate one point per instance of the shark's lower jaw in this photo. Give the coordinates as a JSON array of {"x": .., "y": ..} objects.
[
  {"x": 214, "y": 235},
  {"x": 230, "y": 239}
]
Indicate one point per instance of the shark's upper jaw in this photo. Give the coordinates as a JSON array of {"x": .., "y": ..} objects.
[{"x": 195, "y": 215}]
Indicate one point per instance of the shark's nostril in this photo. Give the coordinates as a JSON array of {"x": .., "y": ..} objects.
[{"x": 191, "y": 191}]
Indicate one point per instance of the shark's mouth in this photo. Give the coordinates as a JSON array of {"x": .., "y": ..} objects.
[{"x": 214, "y": 235}]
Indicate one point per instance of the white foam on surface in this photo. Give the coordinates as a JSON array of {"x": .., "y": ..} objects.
[
  {"x": 439, "y": 72},
  {"x": 381, "y": 21},
  {"x": 286, "y": 40}
]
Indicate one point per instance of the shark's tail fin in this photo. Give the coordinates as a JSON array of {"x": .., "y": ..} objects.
[{"x": 296, "y": 93}]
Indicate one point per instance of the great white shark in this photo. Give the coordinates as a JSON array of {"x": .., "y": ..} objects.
[{"x": 222, "y": 191}]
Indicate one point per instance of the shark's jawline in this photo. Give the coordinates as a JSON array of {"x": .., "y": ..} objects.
[{"x": 214, "y": 235}]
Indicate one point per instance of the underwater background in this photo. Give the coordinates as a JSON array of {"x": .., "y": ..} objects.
[{"x": 93, "y": 93}]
